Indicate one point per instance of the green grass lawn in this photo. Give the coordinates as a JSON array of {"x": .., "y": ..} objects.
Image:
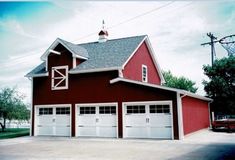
[{"x": 13, "y": 132}]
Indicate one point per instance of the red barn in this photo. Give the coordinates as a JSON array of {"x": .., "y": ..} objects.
[{"x": 110, "y": 88}]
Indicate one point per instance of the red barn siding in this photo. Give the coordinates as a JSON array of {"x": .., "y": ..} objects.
[
  {"x": 96, "y": 88},
  {"x": 133, "y": 69},
  {"x": 65, "y": 58},
  {"x": 195, "y": 114}
]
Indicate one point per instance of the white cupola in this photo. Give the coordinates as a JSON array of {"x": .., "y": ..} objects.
[{"x": 103, "y": 34}]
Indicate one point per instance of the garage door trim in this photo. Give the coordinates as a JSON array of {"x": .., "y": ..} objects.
[
  {"x": 51, "y": 106},
  {"x": 146, "y": 103},
  {"x": 95, "y": 104}
]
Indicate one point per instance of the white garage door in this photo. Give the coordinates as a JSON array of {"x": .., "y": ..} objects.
[
  {"x": 147, "y": 120},
  {"x": 96, "y": 120},
  {"x": 53, "y": 120}
]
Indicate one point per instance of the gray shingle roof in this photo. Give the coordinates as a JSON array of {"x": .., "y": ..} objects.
[
  {"x": 77, "y": 49},
  {"x": 41, "y": 69},
  {"x": 110, "y": 54}
]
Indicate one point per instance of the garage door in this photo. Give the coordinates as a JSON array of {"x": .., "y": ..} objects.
[
  {"x": 147, "y": 120},
  {"x": 53, "y": 120},
  {"x": 96, "y": 120}
]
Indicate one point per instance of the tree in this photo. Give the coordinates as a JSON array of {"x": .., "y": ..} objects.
[
  {"x": 179, "y": 82},
  {"x": 221, "y": 85},
  {"x": 12, "y": 106}
]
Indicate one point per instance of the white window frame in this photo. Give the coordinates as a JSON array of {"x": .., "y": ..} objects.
[
  {"x": 144, "y": 77},
  {"x": 63, "y": 77}
]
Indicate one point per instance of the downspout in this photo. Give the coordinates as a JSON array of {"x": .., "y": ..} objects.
[{"x": 180, "y": 115}]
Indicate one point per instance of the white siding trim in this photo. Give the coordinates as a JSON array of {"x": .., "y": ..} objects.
[
  {"x": 53, "y": 86},
  {"x": 133, "y": 53},
  {"x": 115, "y": 80},
  {"x": 94, "y": 70},
  {"x": 31, "y": 112},
  {"x": 180, "y": 117},
  {"x": 144, "y": 79}
]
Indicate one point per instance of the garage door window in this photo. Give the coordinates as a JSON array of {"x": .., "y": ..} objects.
[
  {"x": 159, "y": 109},
  {"x": 62, "y": 110},
  {"x": 136, "y": 109},
  {"x": 87, "y": 110},
  {"x": 45, "y": 111},
  {"x": 107, "y": 110}
]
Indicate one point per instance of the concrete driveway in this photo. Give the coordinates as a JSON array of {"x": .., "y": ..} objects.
[{"x": 205, "y": 144}]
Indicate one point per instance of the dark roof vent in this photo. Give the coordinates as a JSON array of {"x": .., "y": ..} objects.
[{"x": 103, "y": 34}]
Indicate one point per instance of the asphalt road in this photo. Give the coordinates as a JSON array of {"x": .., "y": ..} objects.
[{"x": 204, "y": 145}]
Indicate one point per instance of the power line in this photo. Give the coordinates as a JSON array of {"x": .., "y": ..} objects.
[{"x": 113, "y": 26}]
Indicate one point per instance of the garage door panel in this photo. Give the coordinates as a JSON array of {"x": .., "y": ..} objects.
[
  {"x": 136, "y": 120},
  {"x": 87, "y": 131},
  {"x": 160, "y": 132},
  {"x": 87, "y": 120},
  {"x": 107, "y": 131},
  {"x": 160, "y": 119},
  {"x": 136, "y": 132},
  {"x": 53, "y": 120},
  {"x": 62, "y": 120},
  {"x": 96, "y": 120},
  {"x": 107, "y": 120},
  {"x": 45, "y": 130},
  {"x": 147, "y": 120}
]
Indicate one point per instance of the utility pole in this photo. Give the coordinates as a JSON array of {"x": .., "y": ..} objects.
[{"x": 213, "y": 40}]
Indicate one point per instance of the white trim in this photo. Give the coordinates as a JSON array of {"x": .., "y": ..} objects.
[
  {"x": 94, "y": 70},
  {"x": 39, "y": 75},
  {"x": 65, "y": 77},
  {"x": 147, "y": 103},
  {"x": 74, "y": 62},
  {"x": 144, "y": 79},
  {"x": 53, "y": 45},
  {"x": 96, "y": 104},
  {"x": 157, "y": 66},
  {"x": 55, "y": 52},
  {"x": 31, "y": 112},
  {"x": 180, "y": 117},
  {"x": 53, "y": 106},
  {"x": 133, "y": 53},
  {"x": 155, "y": 61},
  {"x": 115, "y": 80}
]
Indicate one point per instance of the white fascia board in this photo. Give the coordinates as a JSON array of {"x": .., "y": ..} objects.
[
  {"x": 38, "y": 75},
  {"x": 94, "y": 70},
  {"x": 155, "y": 61},
  {"x": 142, "y": 83},
  {"x": 80, "y": 57},
  {"x": 161, "y": 87},
  {"x": 132, "y": 54},
  {"x": 55, "y": 52},
  {"x": 52, "y": 47}
]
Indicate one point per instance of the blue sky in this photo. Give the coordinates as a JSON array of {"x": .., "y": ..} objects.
[{"x": 176, "y": 30}]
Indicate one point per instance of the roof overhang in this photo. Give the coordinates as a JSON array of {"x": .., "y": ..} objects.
[
  {"x": 52, "y": 47},
  {"x": 37, "y": 75},
  {"x": 76, "y": 71},
  {"x": 182, "y": 92}
]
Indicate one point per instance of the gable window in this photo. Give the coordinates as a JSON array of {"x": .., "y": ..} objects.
[
  {"x": 59, "y": 77},
  {"x": 144, "y": 73}
]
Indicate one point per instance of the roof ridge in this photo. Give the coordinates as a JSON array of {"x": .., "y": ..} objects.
[{"x": 144, "y": 35}]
